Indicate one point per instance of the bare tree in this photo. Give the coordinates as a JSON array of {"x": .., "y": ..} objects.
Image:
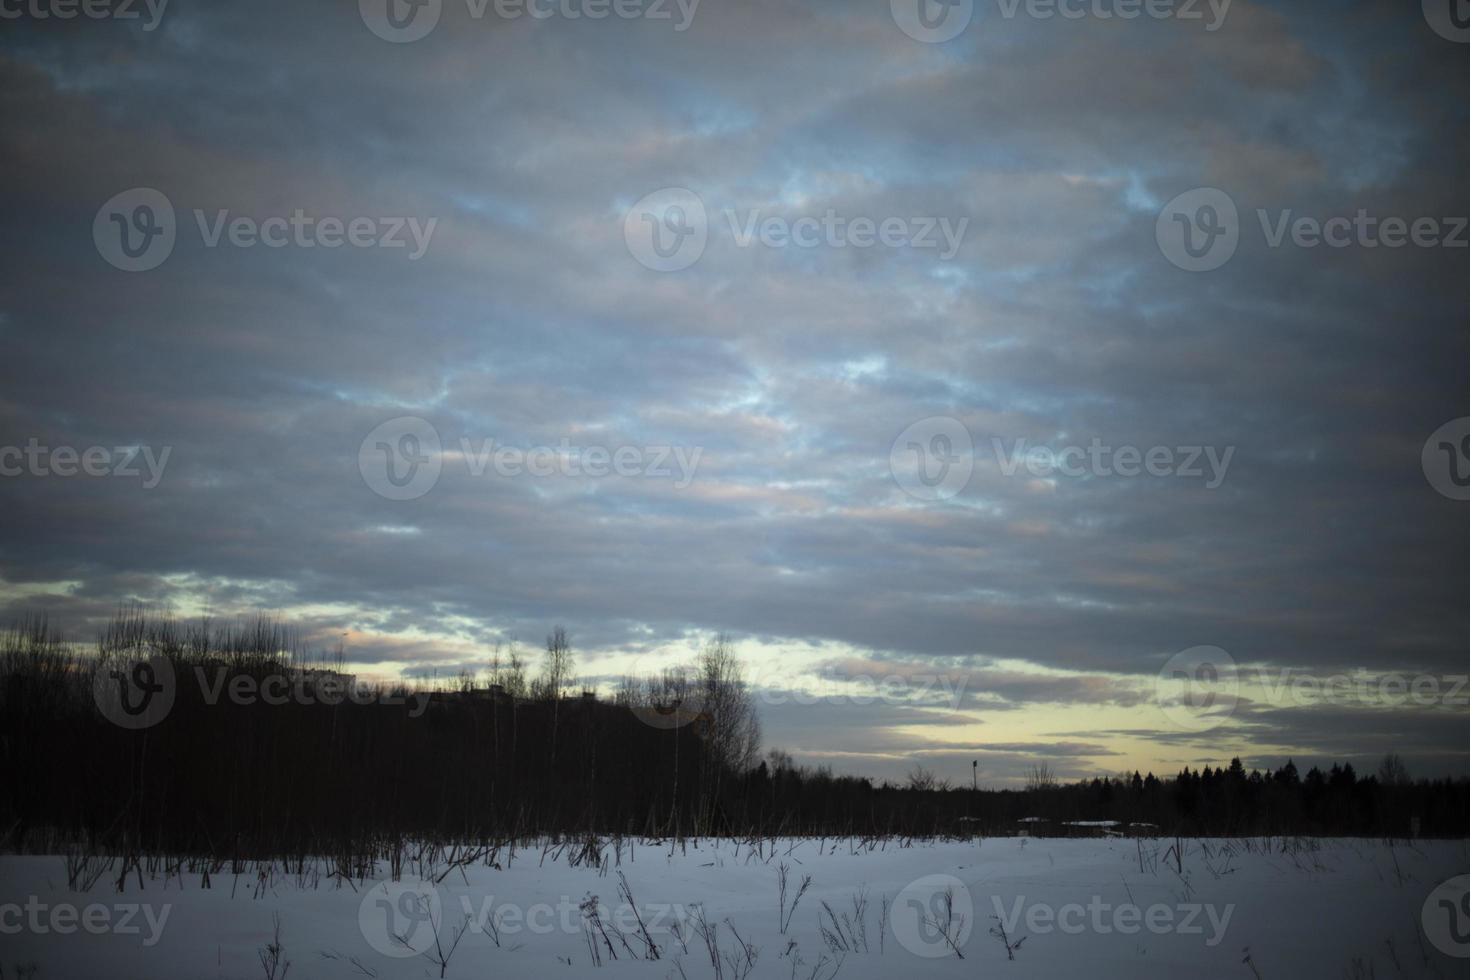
[
  {"x": 667, "y": 692},
  {"x": 924, "y": 780},
  {"x": 1392, "y": 771},
  {"x": 557, "y": 669},
  {"x": 514, "y": 679},
  {"x": 715, "y": 693},
  {"x": 1041, "y": 777},
  {"x": 734, "y": 726}
]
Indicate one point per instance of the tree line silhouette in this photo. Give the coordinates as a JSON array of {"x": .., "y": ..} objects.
[{"x": 238, "y": 777}]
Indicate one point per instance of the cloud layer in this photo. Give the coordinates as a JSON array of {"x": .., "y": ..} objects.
[{"x": 791, "y": 370}]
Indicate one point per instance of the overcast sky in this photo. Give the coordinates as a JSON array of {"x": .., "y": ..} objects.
[{"x": 843, "y": 329}]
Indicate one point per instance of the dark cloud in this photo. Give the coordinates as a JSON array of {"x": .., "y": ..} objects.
[{"x": 528, "y": 321}]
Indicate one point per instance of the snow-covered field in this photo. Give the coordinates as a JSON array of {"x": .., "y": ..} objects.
[{"x": 1098, "y": 908}]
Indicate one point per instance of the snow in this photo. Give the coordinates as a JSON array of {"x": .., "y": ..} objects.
[{"x": 1095, "y": 908}]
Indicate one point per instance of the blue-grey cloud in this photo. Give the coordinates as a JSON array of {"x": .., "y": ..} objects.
[{"x": 791, "y": 370}]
